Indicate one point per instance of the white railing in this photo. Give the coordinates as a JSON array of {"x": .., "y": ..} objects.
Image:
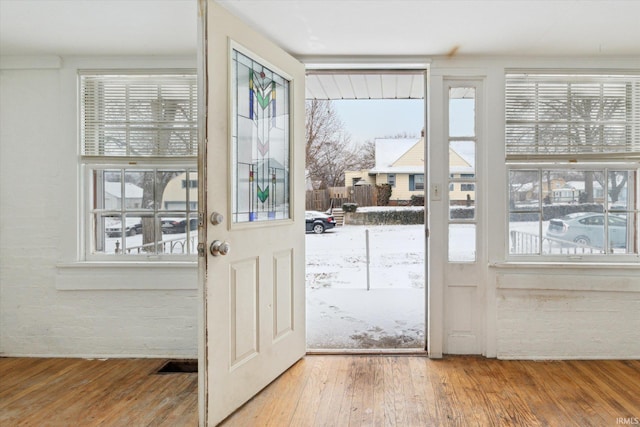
[
  {"x": 169, "y": 246},
  {"x": 527, "y": 243}
]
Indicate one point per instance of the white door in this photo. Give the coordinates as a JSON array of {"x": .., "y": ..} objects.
[
  {"x": 254, "y": 175},
  {"x": 458, "y": 256}
]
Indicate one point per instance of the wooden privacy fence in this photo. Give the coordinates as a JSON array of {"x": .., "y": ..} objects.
[{"x": 335, "y": 197}]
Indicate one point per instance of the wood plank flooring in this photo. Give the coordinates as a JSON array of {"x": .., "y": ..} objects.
[
  {"x": 336, "y": 391},
  {"x": 79, "y": 392},
  {"x": 329, "y": 390}
]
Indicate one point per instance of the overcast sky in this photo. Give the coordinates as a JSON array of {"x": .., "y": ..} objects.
[{"x": 370, "y": 119}]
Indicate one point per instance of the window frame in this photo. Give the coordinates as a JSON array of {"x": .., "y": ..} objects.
[
  {"x": 416, "y": 186},
  {"x": 391, "y": 179},
  {"x": 89, "y": 162},
  {"x": 571, "y": 160},
  {"x": 580, "y": 257}
]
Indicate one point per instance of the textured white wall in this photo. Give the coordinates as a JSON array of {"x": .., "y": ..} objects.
[
  {"x": 539, "y": 318},
  {"x": 48, "y": 307}
]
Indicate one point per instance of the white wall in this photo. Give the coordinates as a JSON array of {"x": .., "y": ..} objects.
[
  {"x": 520, "y": 310},
  {"x": 49, "y": 303},
  {"x": 567, "y": 313},
  {"x": 52, "y": 305}
]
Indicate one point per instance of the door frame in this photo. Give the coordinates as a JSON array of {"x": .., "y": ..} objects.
[{"x": 390, "y": 64}]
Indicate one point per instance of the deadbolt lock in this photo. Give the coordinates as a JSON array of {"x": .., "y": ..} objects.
[{"x": 216, "y": 218}]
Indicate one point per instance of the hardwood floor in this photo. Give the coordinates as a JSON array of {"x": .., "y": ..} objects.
[
  {"x": 455, "y": 391},
  {"x": 78, "y": 392},
  {"x": 329, "y": 390}
]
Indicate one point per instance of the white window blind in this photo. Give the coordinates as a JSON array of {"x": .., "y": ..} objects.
[
  {"x": 571, "y": 117},
  {"x": 138, "y": 115}
]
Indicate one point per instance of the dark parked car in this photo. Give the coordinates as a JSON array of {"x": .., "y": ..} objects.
[
  {"x": 318, "y": 222},
  {"x": 587, "y": 229},
  {"x": 133, "y": 227},
  {"x": 178, "y": 225}
]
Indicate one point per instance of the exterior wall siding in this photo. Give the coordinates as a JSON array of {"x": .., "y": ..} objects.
[{"x": 413, "y": 157}]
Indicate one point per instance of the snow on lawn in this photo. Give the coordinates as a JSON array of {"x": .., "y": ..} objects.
[
  {"x": 337, "y": 258},
  {"x": 341, "y": 313},
  {"x": 361, "y": 319}
]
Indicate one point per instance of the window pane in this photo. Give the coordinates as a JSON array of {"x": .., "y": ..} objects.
[
  {"x": 141, "y": 236},
  {"x": 621, "y": 190},
  {"x": 524, "y": 188},
  {"x": 462, "y": 242},
  {"x": 462, "y": 159},
  {"x": 106, "y": 231},
  {"x": 260, "y": 142},
  {"x": 172, "y": 189},
  {"x": 524, "y": 233},
  {"x": 174, "y": 233},
  {"x": 618, "y": 229},
  {"x": 462, "y": 111},
  {"x": 580, "y": 230},
  {"x": 419, "y": 182},
  {"x": 391, "y": 179},
  {"x": 462, "y": 201},
  {"x": 112, "y": 235},
  {"x": 138, "y": 189},
  {"x": 108, "y": 189}
]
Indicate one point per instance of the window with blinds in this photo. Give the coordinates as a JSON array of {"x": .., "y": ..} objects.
[
  {"x": 571, "y": 116},
  {"x": 139, "y": 146},
  {"x": 138, "y": 115}
]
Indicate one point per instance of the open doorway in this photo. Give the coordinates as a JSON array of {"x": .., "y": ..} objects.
[{"x": 365, "y": 240}]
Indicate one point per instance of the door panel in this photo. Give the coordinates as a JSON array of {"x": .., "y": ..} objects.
[
  {"x": 284, "y": 309},
  {"x": 464, "y": 269},
  {"x": 254, "y": 175},
  {"x": 243, "y": 310}
]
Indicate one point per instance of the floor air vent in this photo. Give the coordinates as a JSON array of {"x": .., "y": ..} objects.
[{"x": 179, "y": 367}]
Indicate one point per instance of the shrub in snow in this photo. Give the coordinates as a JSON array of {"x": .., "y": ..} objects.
[
  {"x": 349, "y": 207},
  {"x": 384, "y": 194},
  {"x": 416, "y": 200}
]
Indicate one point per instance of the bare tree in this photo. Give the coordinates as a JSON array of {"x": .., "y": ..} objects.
[
  {"x": 329, "y": 151},
  {"x": 367, "y": 155},
  {"x": 590, "y": 115}
]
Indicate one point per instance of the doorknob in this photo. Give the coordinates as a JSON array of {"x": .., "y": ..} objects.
[{"x": 219, "y": 247}]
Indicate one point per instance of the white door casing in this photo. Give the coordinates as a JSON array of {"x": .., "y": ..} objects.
[{"x": 254, "y": 295}]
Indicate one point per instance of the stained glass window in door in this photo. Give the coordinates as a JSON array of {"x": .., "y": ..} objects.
[{"x": 260, "y": 141}]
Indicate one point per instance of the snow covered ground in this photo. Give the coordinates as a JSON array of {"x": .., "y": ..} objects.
[{"x": 341, "y": 312}]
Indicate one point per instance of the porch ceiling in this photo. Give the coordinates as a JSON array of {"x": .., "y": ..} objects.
[{"x": 364, "y": 84}]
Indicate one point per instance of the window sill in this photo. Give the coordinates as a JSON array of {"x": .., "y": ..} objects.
[
  {"x": 563, "y": 276},
  {"x": 129, "y": 264},
  {"x": 633, "y": 265},
  {"x": 110, "y": 275}
]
